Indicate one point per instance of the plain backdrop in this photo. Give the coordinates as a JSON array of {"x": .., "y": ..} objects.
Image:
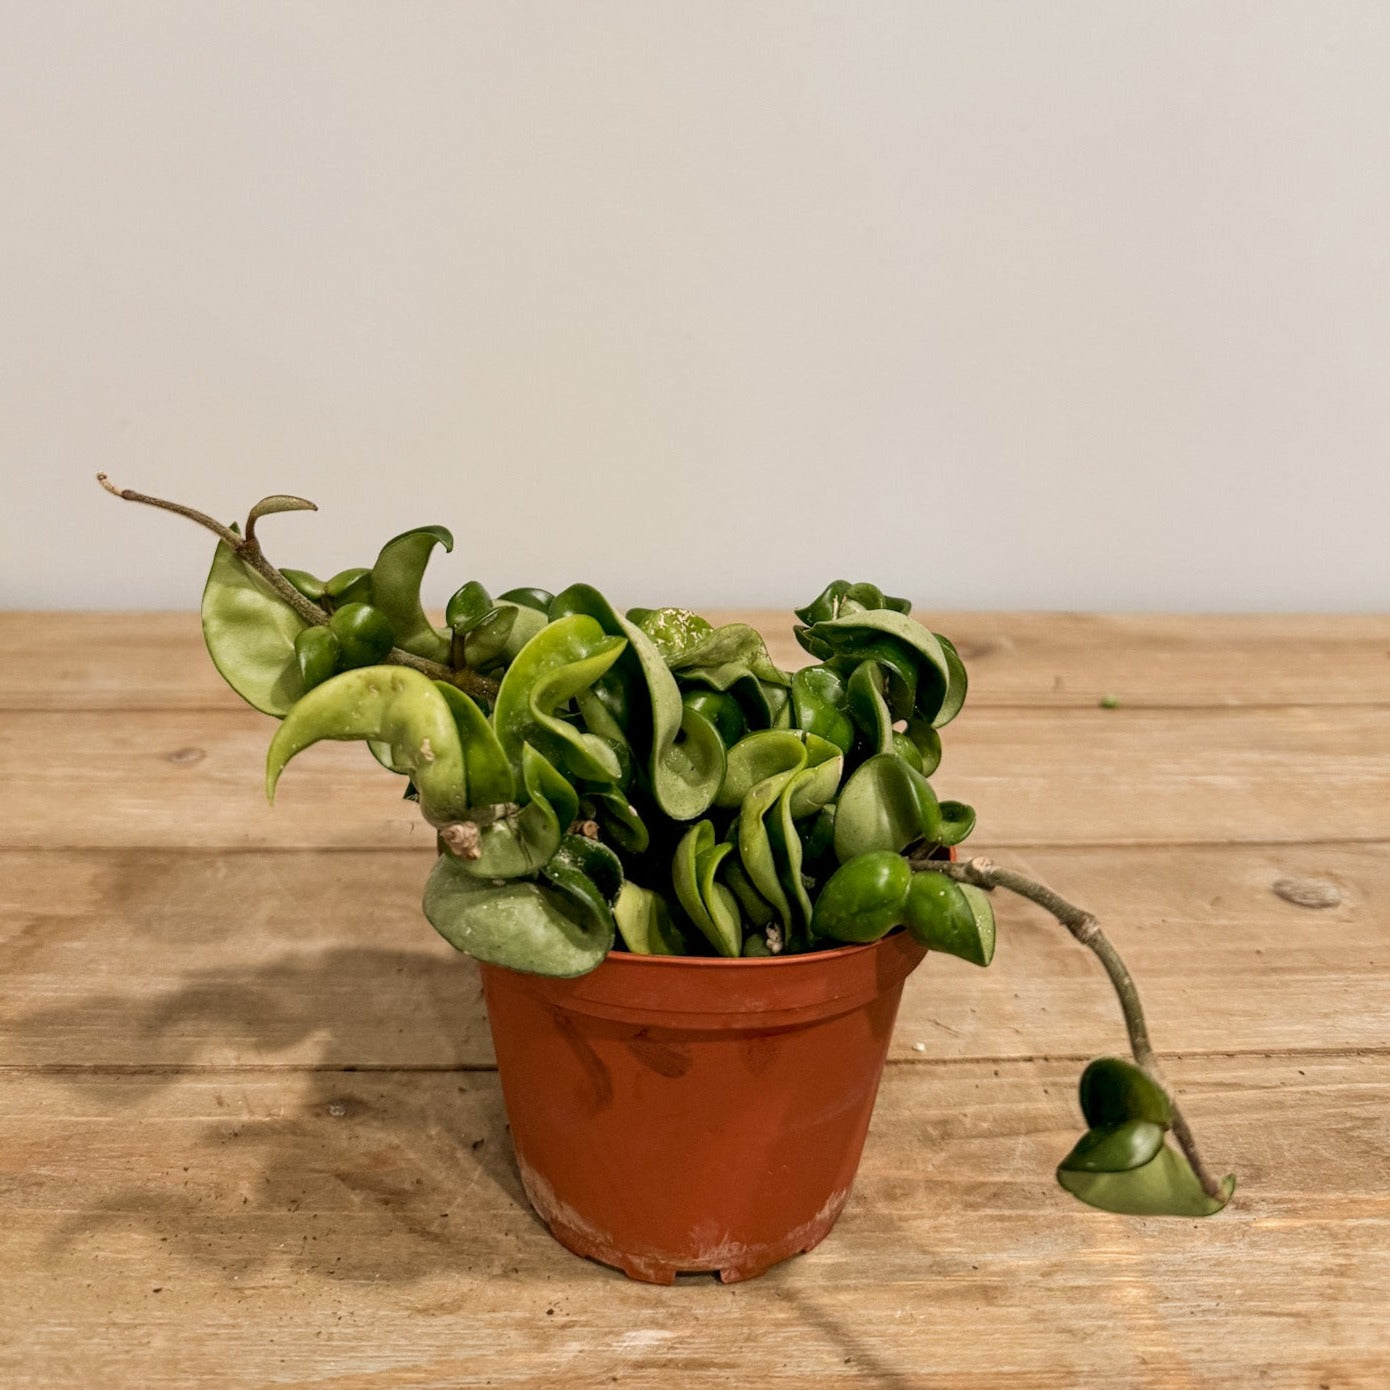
[{"x": 1049, "y": 305}]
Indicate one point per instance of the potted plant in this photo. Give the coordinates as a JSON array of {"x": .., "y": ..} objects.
[{"x": 695, "y": 882}]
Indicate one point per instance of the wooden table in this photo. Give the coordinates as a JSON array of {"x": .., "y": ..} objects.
[{"x": 250, "y": 1132}]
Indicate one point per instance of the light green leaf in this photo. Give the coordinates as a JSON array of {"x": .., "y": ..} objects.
[
  {"x": 1165, "y": 1186},
  {"x": 523, "y": 925},
  {"x": 388, "y": 704},
  {"x": 711, "y": 906},
  {"x": 645, "y": 923},
  {"x": 250, "y": 633},
  {"x": 490, "y": 777},
  {"x": 1115, "y": 1148}
]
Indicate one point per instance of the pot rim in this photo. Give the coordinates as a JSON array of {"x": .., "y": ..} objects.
[{"x": 844, "y": 951}]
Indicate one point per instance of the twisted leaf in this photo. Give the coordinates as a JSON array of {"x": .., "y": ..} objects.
[
  {"x": 547, "y": 928},
  {"x": 955, "y": 918},
  {"x": 682, "y": 752},
  {"x": 490, "y": 777},
  {"x": 392, "y": 705},
  {"x": 395, "y": 583},
  {"x": 709, "y": 904},
  {"x": 1123, "y": 1162},
  {"x": 562, "y": 659},
  {"x": 820, "y": 705},
  {"x": 885, "y": 804},
  {"x": 524, "y": 841},
  {"x": 644, "y": 920}
]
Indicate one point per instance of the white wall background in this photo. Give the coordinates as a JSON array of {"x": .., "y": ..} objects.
[{"x": 1021, "y": 305}]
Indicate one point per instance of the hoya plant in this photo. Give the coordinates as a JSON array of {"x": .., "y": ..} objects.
[{"x": 603, "y": 780}]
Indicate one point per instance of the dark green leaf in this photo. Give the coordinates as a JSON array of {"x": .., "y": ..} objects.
[
  {"x": 955, "y": 918},
  {"x": 885, "y": 804},
  {"x": 1113, "y": 1091}
]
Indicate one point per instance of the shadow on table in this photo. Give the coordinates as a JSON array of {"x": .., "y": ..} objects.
[{"x": 364, "y": 1173}]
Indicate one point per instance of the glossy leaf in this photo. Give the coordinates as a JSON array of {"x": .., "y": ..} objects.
[
  {"x": 586, "y": 902},
  {"x": 866, "y": 694},
  {"x": 722, "y": 710},
  {"x": 352, "y": 585},
  {"x": 1113, "y": 1090},
  {"x": 490, "y": 778},
  {"x": 708, "y": 904},
  {"x": 250, "y": 633},
  {"x": 863, "y": 899},
  {"x": 487, "y": 638},
  {"x": 595, "y": 861},
  {"x": 468, "y": 606},
  {"x": 885, "y": 804},
  {"x": 562, "y": 659},
  {"x": 523, "y": 925},
  {"x": 645, "y": 923},
  {"x": 955, "y": 918},
  {"x": 364, "y": 636},
  {"x": 820, "y": 705},
  {"x": 755, "y": 907},
  {"x": 957, "y": 683},
  {"x": 755, "y": 847},
  {"x": 770, "y": 752},
  {"x": 393, "y": 705},
  {"x": 317, "y": 651},
  {"x": 618, "y": 818},
  {"x": 957, "y": 821},
  {"x": 395, "y": 583},
  {"x": 903, "y": 646},
  {"x": 311, "y": 586},
  {"x": 841, "y": 594},
  {"x": 529, "y": 597},
  {"x": 1116, "y": 1148},
  {"x": 926, "y": 740},
  {"x": 525, "y": 623}
]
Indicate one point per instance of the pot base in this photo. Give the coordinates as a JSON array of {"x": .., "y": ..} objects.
[{"x": 730, "y": 1259}]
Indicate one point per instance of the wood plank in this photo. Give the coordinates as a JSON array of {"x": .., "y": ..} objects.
[
  {"x": 246, "y": 1228},
  {"x": 159, "y": 959},
  {"x": 167, "y": 779},
  {"x": 1050, "y": 660}
]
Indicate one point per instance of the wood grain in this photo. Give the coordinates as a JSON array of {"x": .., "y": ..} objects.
[
  {"x": 245, "y": 1227},
  {"x": 250, "y": 1134},
  {"x": 1046, "y": 660},
  {"x": 157, "y": 959},
  {"x": 187, "y": 778}
]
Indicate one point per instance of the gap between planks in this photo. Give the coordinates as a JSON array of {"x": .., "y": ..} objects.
[{"x": 23, "y": 1070}]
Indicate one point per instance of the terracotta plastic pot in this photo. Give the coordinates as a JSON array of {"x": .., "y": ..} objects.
[{"x": 676, "y": 1114}]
